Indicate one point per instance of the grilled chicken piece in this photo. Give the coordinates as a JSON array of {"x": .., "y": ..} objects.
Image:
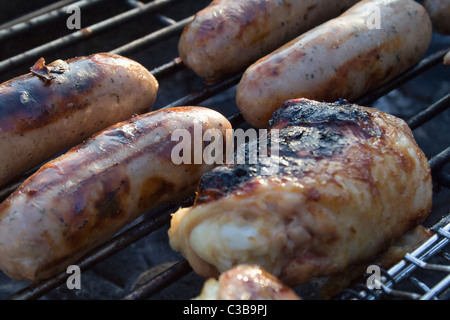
[
  {"x": 351, "y": 180},
  {"x": 246, "y": 282}
]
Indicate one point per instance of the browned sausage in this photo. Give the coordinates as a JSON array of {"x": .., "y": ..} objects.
[
  {"x": 82, "y": 198},
  {"x": 58, "y": 105},
  {"x": 342, "y": 58},
  {"x": 228, "y": 35}
]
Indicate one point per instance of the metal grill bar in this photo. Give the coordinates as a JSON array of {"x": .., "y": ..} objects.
[
  {"x": 205, "y": 93},
  {"x": 82, "y": 34},
  {"x": 37, "y": 13},
  {"x": 422, "y": 286},
  {"x": 27, "y": 24},
  {"x": 433, "y": 292},
  {"x": 405, "y": 268},
  {"x": 152, "y": 38},
  {"x": 168, "y": 68},
  {"x": 437, "y": 164},
  {"x": 431, "y": 112},
  {"x": 439, "y": 161},
  {"x": 134, "y": 3},
  {"x": 166, "y": 21},
  {"x": 425, "y": 265},
  {"x": 161, "y": 281}
]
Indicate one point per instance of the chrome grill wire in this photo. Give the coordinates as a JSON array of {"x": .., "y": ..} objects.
[
  {"x": 401, "y": 282},
  {"x": 161, "y": 217}
]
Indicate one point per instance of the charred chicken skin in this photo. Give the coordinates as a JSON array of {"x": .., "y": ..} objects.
[{"x": 350, "y": 181}]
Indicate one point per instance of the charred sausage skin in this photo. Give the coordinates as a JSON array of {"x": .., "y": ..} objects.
[
  {"x": 80, "y": 199},
  {"x": 229, "y": 35},
  {"x": 58, "y": 105},
  {"x": 342, "y": 58}
]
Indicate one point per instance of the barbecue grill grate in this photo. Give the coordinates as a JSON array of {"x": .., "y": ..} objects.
[
  {"x": 423, "y": 274},
  {"x": 166, "y": 19}
]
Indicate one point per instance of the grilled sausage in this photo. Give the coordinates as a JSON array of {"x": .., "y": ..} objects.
[
  {"x": 58, "y": 105},
  {"x": 342, "y": 58},
  {"x": 80, "y": 199},
  {"x": 228, "y": 35},
  {"x": 350, "y": 181},
  {"x": 246, "y": 282},
  {"x": 439, "y": 11}
]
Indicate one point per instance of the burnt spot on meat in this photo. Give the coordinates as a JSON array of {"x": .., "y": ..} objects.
[
  {"x": 221, "y": 181},
  {"x": 94, "y": 211},
  {"x": 34, "y": 100},
  {"x": 209, "y": 29},
  {"x": 153, "y": 190},
  {"x": 109, "y": 206},
  {"x": 309, "y": 132},
  {"x": 49, "y": 72},
  {"x": 305, "y": 112}
]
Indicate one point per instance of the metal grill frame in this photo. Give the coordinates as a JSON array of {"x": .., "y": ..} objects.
[{"x": 415, "y": 260}]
